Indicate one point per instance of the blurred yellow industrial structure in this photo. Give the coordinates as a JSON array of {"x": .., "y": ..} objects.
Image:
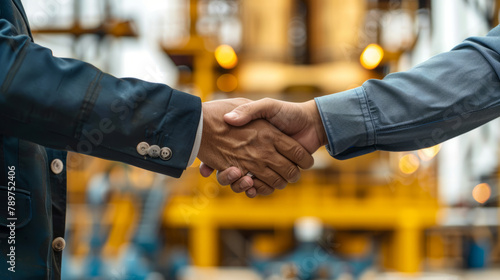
[
  {"x": 382, "y": 204},
  {"x": 343, "y": 195}
]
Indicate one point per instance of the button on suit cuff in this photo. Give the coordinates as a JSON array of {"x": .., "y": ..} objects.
[{"x": 197, "y": 142}]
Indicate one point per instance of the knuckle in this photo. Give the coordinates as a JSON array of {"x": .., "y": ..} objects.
[
  {"x": 243, "y": 184},
  {"x": 236, "y": 188},
  {"x": 241, "y": 99},
  {"x": 266, "y": 135},
  {"x": 265, "y": 157},
  {"x": 279, "y": 183},
  {"x": 222, "y": 180},
  {"x": 264, "y": 190},
  {"x": 243, "y": 108},
  {"x": 293, "y": 174},
  {"x": 299, "y": 154}
]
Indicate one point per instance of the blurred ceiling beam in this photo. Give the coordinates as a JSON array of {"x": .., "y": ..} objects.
[
  {"x": 273, "y": 77},
  {"x": 109, "y": 25}
]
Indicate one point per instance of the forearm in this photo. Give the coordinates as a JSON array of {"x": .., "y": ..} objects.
[
  {"x": 441, "y": 98},
  {"x": 71, "y": 105}
]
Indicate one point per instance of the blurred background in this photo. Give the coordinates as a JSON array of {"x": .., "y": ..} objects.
[{"x": 427, "y": 214}]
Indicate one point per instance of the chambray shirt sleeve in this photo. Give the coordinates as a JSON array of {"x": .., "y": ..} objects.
[{"x": 448, "y": 95}]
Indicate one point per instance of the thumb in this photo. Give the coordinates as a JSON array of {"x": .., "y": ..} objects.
[{"x": 260, "y": 109}]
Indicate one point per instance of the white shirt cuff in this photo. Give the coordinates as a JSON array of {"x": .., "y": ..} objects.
[{"x": 197, "y": 141}]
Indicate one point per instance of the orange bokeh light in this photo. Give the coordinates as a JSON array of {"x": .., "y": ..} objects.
[
  {"x": 227, "y": 82},
  {"x": 481, "y": 193},
  {"x": 371, "y": 56},
  {"x": 429, "y": 153},
  {"x": 226, "y": 56},
  {"x": 409, "y": 163}
]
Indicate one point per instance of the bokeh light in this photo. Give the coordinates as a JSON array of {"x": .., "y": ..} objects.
[
  {"x": 481, "y": 193},
  {"x": 371, "y": 56},
  {"x": 409, "y": 163},
  {"x": 227, "y": 82},
  {"x": 226, "y": 56},
  {"x": 140, "y": 178},
  {"x": 429, "y": 153}
]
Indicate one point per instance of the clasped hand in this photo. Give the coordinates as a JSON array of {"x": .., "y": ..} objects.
[{"x": 269, "y": 138}]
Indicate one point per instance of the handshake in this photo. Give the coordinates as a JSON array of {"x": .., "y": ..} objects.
[{"x": 258, "y": 146}]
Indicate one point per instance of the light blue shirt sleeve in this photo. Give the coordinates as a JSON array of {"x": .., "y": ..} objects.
[{"x": 446, "y": 96}]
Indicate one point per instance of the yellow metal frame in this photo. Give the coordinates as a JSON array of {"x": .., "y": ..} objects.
[{"x": 405, "y": 211}]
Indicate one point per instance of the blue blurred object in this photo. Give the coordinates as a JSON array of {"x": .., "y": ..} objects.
[
  {"x": 310, "y": 259},
  {"x": 141, "y": 258},
  {"x": 179, "y": 259},
  {"x": 476, "y": 252}
]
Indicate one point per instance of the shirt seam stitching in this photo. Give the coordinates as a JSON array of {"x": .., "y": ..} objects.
[{"x": 367, "y": 111}]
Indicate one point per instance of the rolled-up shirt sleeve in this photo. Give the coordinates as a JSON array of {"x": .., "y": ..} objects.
[{"x": 447, "y": 95}]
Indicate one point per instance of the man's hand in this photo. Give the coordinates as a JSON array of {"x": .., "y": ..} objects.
[
  {"x": 257, "y": 147},
  {"x": 301, "y": 121}
]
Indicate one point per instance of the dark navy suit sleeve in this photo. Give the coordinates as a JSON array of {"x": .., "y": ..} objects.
[
  {"x": 70, "y": 105},
  {"x": 447, "y": 95}
]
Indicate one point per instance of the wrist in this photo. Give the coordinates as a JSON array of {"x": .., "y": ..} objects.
[{"x": 317, "y": 122}]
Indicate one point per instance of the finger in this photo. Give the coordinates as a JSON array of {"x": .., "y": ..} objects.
[
  {"x": 262, "y": 188},
  {"x": 205, "y": 170},
  {"x": 262, "y": 109},
  {"x": 251, "y": 193},
  {"x": 293, "y": 151},
  {"x": 270, "y": 178},
  {"x": 243, "y": 184},
  {"x": 284, "y": 167},
  {"x": 228, "y": 176}
]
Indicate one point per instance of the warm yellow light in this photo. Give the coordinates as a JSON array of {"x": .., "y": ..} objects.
[
  {"x": 351, "y": 86},
  {"x": 481, "y": 193},
  {"x": 227, "y": 82},
  {"x": 226, "y": 57},
  {"x": 429, "y": 153},
  {"x": 409, "y": 163},
  {"x": 140, "y": 178},
  {"x": 371, "y": 56},
  {"x": 118, "y": 176}
]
